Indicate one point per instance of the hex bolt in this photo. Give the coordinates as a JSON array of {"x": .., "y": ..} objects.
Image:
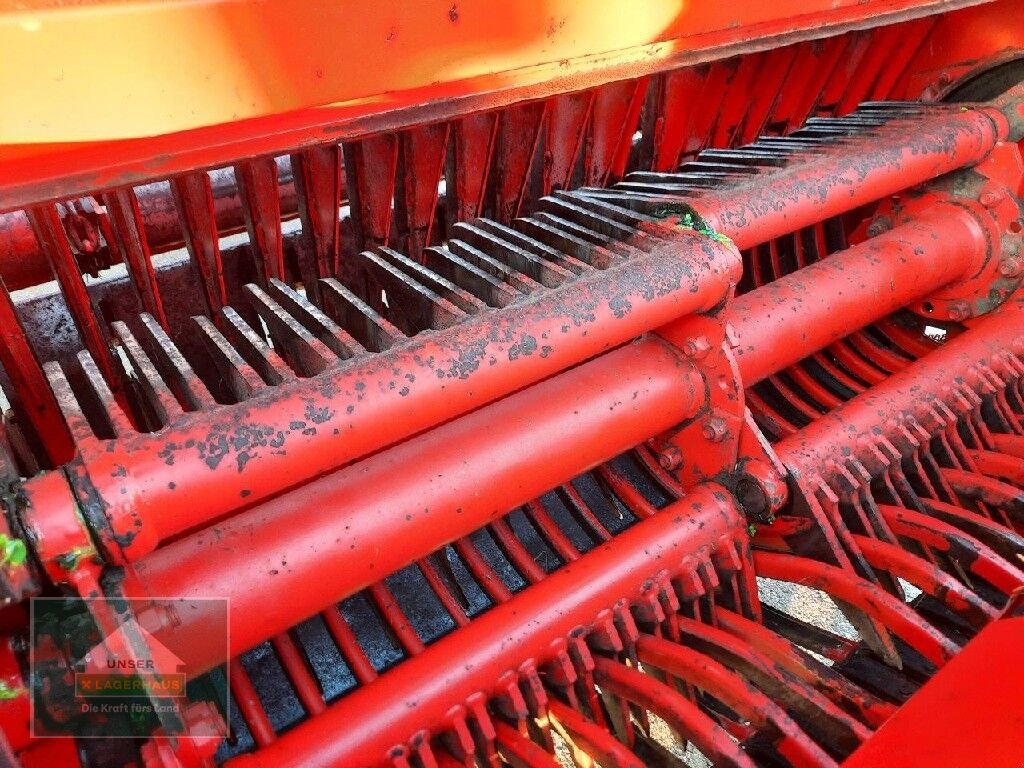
[
  {"x": 959, "y": 310},
  {"x": 715, "y": 429},
  {"x": 990, "y": 199},
  {"x": 697, "y": 347},
  {"x": 670, "y": 459},
  {"x": 1010, "y": 266}
]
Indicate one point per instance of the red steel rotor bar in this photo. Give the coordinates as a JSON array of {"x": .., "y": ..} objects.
[
  {"x": 969, "y": 553},
  {"x": 994, "y": 344},
  {"x": 420, "y": 693},
  {"x": 292, "y": 556},
  {"x": 212, "y": 462},
  {"x": 900, "y": 155},
  {"x": 783, "y": 322}
]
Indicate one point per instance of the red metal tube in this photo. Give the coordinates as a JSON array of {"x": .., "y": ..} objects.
[
  {"x": 212, "y": 462},
  {"x": 897, "y": 157},
  {"x": 783, "y": 322},
  {"x": 290, "y": 557},
  {"x": 968, "y": 552},
  {"x": 421, "y": 691}
]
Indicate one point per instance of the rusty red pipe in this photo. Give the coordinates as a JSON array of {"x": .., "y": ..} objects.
[
  {"x": 216, "y": 461},
  {"x": 292, "y": 556},
  {"x": 783, "y": 322},
  {"x": 420, "y": 693},
  {"x": 682, "y": 715},
  {"x": 898, "y": 156},
  {"x": 735, "y": 692}
]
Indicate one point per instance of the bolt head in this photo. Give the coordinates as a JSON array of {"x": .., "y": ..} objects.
[
  {"x": 697, "y": 347},
  {"x": 1011, "y": 266},
  {"x": 715, "y": 429},
  {"x": 990, "y": 199},
  {"x": 959, "y": 311},
  {"x": 670, "y": 459}
]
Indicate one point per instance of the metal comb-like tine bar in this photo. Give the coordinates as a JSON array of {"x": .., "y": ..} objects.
[
  {"x": 793, "y": 144},
  {"x": 521, "y": 282},
  {"x": 117, "y": 420},
  {"x": 319, "y": 324},
  {"x": 555, "y": 237},
  {"x": 905, "y": 108},
  {"x": 158, "y": 395},
  {"x": 642, "y": 202},
  {"x": 492, "y": 290},
  {"x": 464, "y": 300},
  {"x": 715, "y": 167},
  {"x": 629, "y": 249},
  {"x": 175, "y": 369},
  {"x": 357, "y": 317},
  {"x": 825, "y": 131},
  {"x": 782, "y": 147},
  {"x": 655, "y": 190},
  {"x": 853, "y": 120},
  {"x": 743, "y": 156},
  {"x": 79, "y": 427},
  {"x": 509, "y": 238},
  {"x": 614, "y": 212},
  {"x": 580, "y": 232},
  {"x": 545, "y": 272},
  {"x": 255, "y": 350},
  {"x": 240, "y": 378},
  {"x": 681, "y": 177},
  {"x": 305, "y": 353},
  {"x": 577, "y": 214},
  {"x": 407, "y": 303},
  {"x": 693, "y": 175}
]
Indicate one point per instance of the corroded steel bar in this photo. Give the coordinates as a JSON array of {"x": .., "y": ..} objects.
[
  {"x": 294, "y": 555},
  {"x": 420, "y": 692},
  {"x": 899, "y": 156},
  {"x": 681, "y": 714},
  {"x": 783, "y": 322},
  {"x": 211, "y": 462}
]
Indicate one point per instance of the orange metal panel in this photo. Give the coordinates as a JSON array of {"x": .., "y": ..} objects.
[{"x": 84, "y": 85}]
